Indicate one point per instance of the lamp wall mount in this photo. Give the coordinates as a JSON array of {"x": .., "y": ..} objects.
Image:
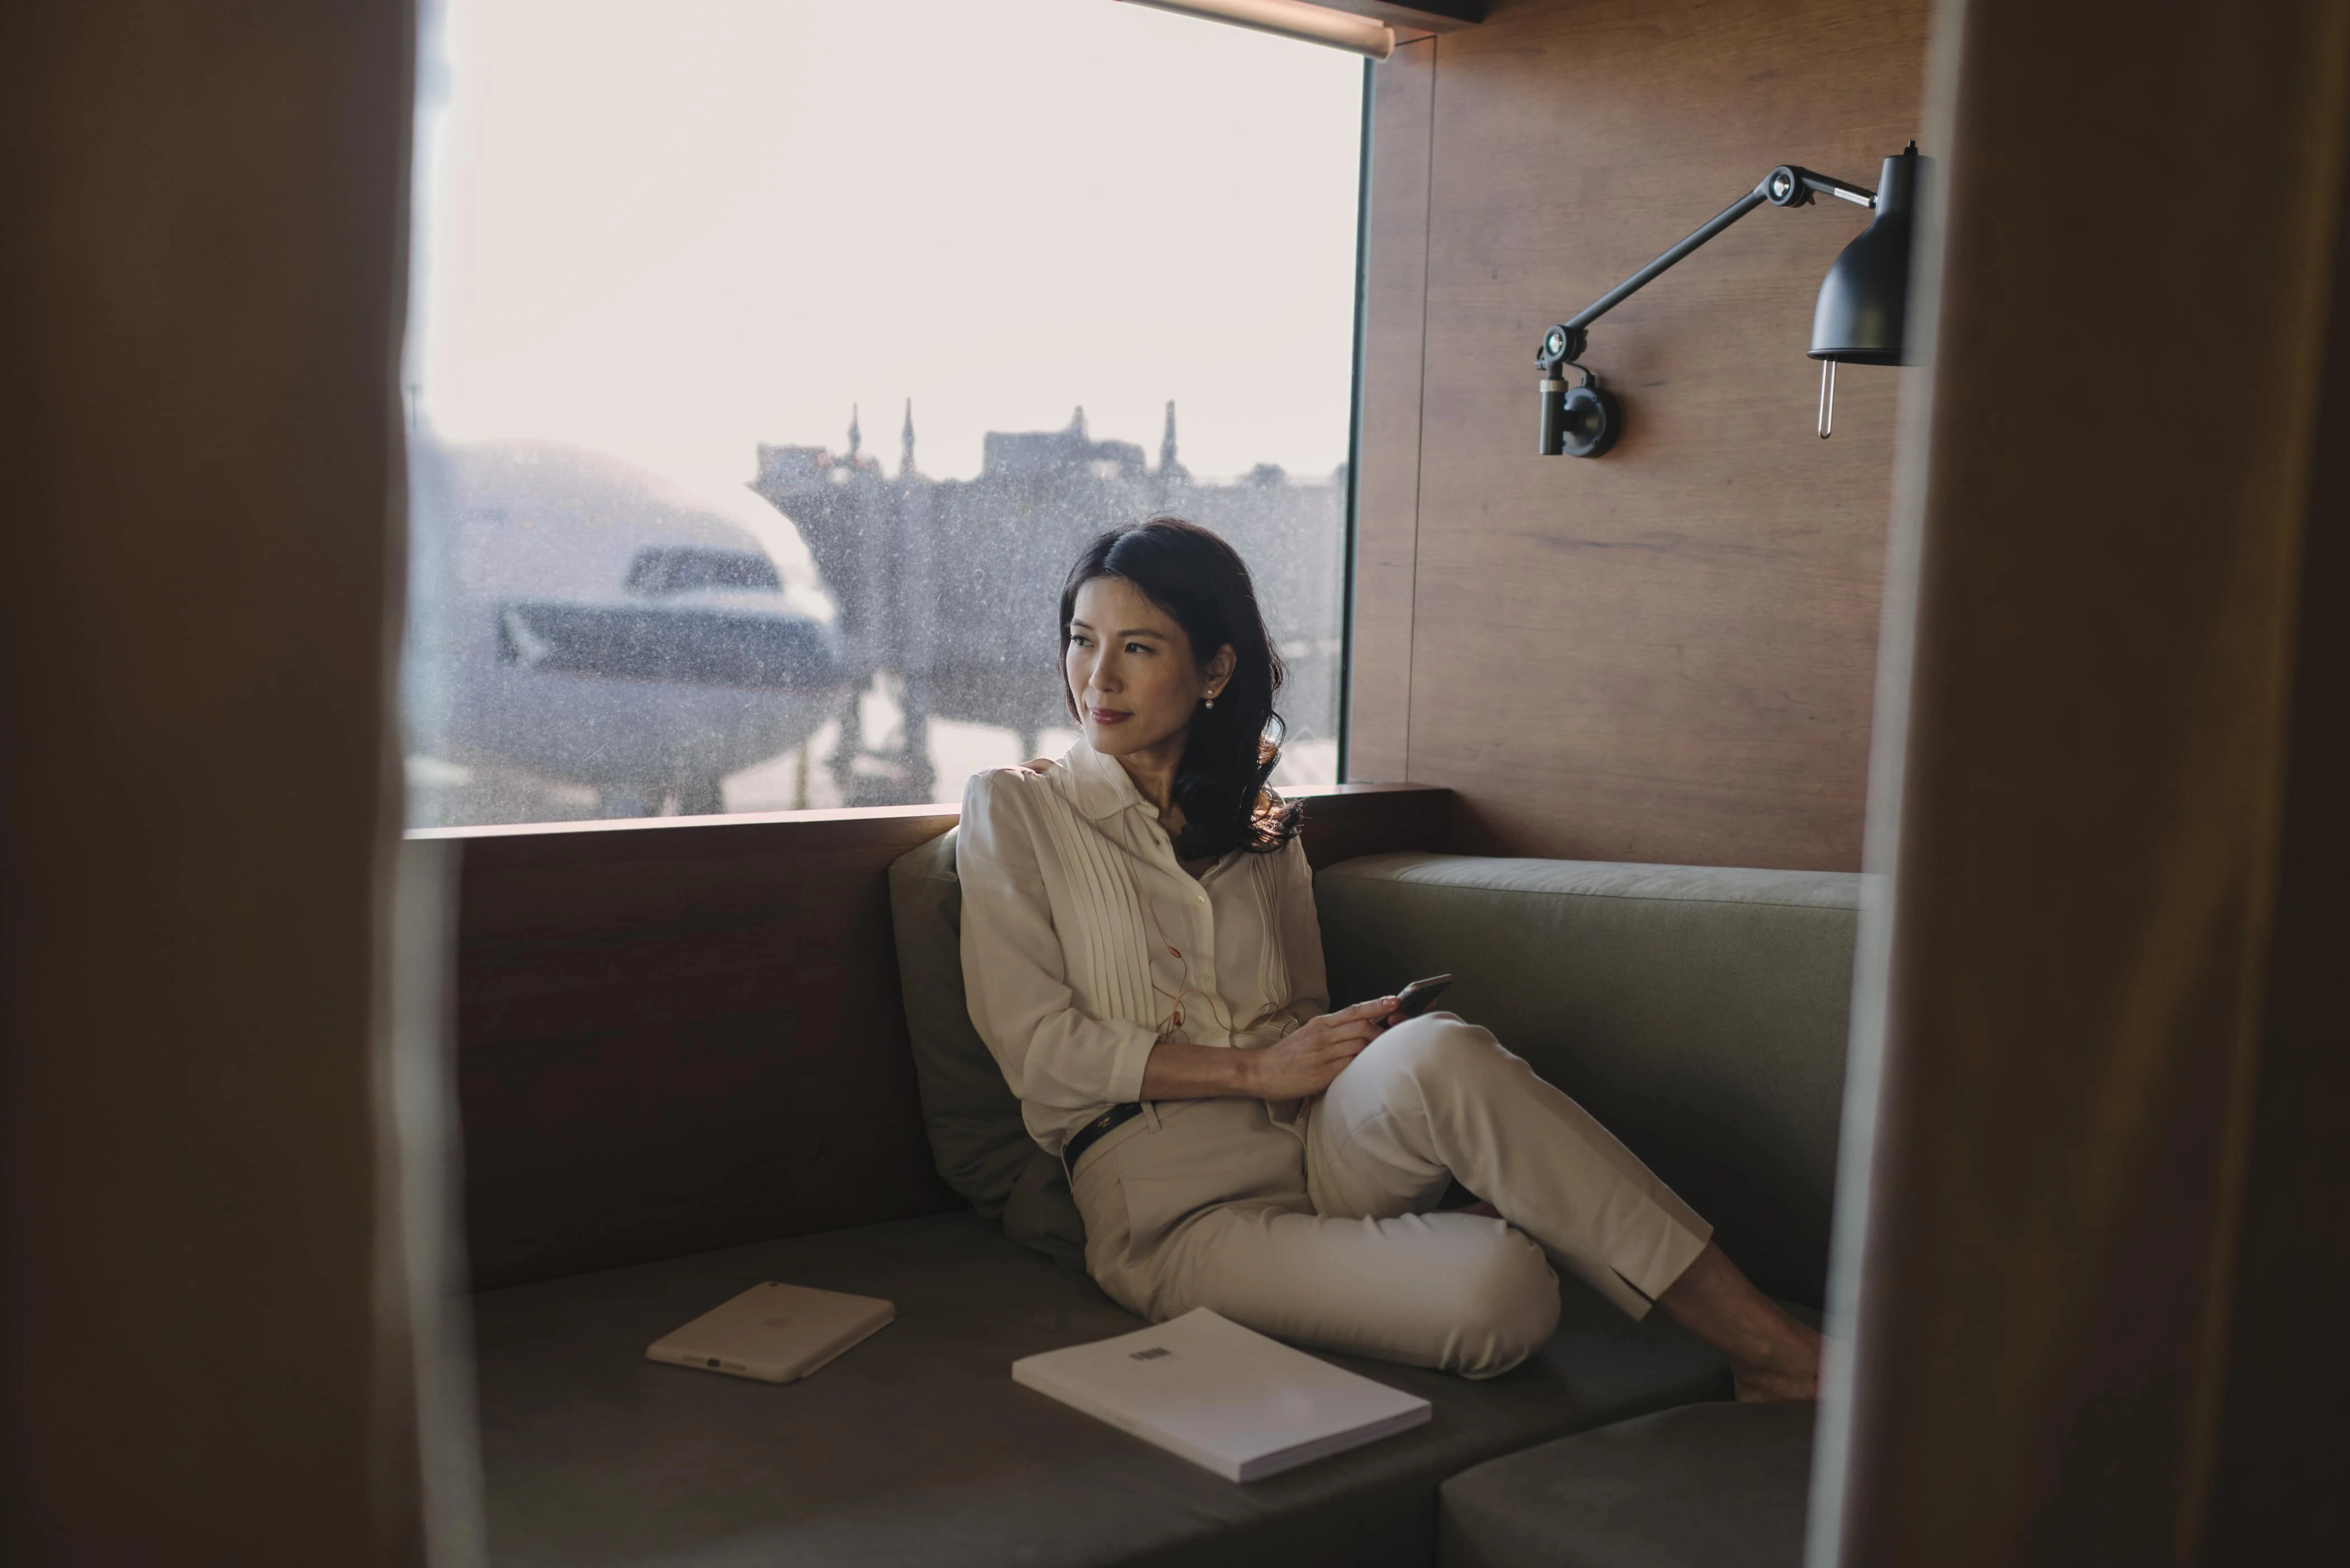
[
  {"x": 1581, "y": 421},
  {"x": 1859, "y": 316}
]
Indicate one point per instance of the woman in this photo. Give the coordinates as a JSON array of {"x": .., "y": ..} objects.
[{"x": 1141, "y": 956}]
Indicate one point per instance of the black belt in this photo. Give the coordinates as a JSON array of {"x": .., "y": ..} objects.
[{"x": 1085, "y": 1136}]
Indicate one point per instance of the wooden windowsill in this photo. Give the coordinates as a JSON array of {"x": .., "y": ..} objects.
[{"x": 947, "y": 812}]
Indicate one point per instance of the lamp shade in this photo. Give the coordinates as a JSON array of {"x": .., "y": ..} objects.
[{"x": 1865, "y": 299}]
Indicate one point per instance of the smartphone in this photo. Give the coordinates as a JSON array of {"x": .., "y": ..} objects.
[{"x": 1420, "y": 995}]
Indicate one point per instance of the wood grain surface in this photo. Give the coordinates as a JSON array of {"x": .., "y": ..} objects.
[
  {"x": 681, "y": 1034},
  {"x": 1668, "y": 653}
]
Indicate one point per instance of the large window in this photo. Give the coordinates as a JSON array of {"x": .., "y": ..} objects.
[{"x": 771, "y": 359}]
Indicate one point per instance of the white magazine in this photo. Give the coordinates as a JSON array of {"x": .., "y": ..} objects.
[{"x": 1220, "y": 1395}]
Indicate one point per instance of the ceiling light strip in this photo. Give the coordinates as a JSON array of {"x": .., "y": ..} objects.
[{"x": 1291, "y": 20}]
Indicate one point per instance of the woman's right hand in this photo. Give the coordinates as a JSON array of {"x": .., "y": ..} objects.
[{"x": 1303, "y": 1062}]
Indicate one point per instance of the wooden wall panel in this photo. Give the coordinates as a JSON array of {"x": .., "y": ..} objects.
[
  {"x": 1668, "y": 653},
  {"x": 1386, "y": 488},
  {"x": 682, "y": 1034},
  {"x": 1350, "y": 820}
]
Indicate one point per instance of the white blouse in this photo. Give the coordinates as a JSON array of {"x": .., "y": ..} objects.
[{"x": 1085, "y": 942}]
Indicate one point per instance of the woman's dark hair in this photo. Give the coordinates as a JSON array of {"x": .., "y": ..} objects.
[{"x": 1196, "y": 577}]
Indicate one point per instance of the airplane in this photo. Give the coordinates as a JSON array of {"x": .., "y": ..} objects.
[{"x": 576, "y": 618}]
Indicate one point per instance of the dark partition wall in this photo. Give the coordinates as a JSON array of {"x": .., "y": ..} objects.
[
  {"x": 2280, "y": 1449},
  {"x": 205, "y": 1350},
  {"x": 2107, "y": 1013}
]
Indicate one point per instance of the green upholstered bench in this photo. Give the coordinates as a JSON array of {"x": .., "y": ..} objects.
[
  {"x": 1703, "y": 1486},
  {"x": 917, "y": 1449},
  {"x": 1701, "y": 1012}
]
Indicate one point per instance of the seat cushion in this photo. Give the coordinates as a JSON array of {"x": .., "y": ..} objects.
[
  {"x": 1700, "y": 1012},
  {"x": 917, "y": 1447},
  {"x": 1705, "y": 1486},
  {"x": 977, "y": 1139}
]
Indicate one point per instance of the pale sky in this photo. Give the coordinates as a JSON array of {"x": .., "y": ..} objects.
[{"x": 672, "y": 229}]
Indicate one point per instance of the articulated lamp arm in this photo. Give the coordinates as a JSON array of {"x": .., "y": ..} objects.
[{"x": 1584, "y": 420}]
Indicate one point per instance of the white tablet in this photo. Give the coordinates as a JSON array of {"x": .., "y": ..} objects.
[{"x": 774, "y": 1333}]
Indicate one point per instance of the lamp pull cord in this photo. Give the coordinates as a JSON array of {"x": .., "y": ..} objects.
[{"x": 1827, "y": 397}]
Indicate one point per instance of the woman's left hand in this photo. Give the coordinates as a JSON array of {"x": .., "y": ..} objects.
[{"x": 1305, "y": 1060}]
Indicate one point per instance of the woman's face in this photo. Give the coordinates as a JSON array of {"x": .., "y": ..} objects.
[{"x": 1131, "y": 669}]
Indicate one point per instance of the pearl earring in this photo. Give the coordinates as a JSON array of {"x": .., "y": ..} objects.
[{"x": 1211, "y": 701}]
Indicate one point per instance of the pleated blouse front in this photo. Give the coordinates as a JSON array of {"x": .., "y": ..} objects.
[{"x": 1085, "y": 942}]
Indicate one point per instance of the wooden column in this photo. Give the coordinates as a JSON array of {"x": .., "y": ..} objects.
[
  {"x": 2087, "y": 728},
  {"x": 205, "y": 1357}
]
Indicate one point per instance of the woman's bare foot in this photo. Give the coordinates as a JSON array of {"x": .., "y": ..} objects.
[{"x": 1772, "y": 1356}]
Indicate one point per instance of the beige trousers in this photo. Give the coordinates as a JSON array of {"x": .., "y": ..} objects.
[{"x": 1317, "y": 1228}]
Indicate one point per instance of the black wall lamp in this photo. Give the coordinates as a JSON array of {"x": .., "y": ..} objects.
[{"x": 1862, "y": 303}]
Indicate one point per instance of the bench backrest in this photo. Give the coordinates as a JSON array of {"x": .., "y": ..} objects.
[{"x": 1699, "y": 1011}]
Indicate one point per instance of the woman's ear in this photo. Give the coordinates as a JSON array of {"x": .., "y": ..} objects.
[{"x": 1219, "y": 667}]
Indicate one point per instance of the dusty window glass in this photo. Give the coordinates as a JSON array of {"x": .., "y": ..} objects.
[{"x": 770, "y": 362}]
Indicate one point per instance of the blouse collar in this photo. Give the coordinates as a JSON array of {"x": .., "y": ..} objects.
[{"x": 1099, "y": 786}]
